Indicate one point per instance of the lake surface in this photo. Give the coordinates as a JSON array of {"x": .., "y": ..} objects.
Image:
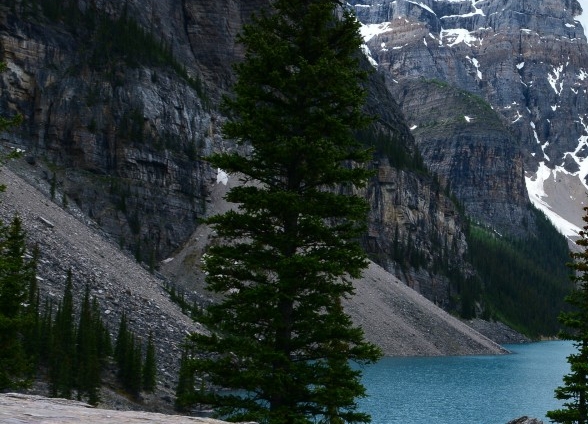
[{"x": 467, "y": 389}]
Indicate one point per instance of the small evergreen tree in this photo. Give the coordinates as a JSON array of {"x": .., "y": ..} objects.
[
  {"x": 150, "y": 366},
  {"x": 574, "y": 391},
  {"x": 104, "y": 342},
  {"x": 122, "y": 340}
]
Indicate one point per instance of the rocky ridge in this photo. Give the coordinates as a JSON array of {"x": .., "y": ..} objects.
[{"x": 524, "y": 65}]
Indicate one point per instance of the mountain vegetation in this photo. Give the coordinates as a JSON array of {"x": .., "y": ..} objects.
[
  {"x": 515, "y": 272},
  {"x": 574, "y": 391},
  {"x": 279, "y": 339},
  {"x": 70, "y": 353}
]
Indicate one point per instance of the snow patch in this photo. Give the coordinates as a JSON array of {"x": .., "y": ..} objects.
[
  {"x": 468, "y": 118},
  {"x": 475, "y": 62},
  {"x": 369, "y": 31},
  {"x": 222, "y": 177},
  {"x": 458, "y": 35},
  {"x": 537, "y": 196},
  {"x": 424, "y": 6},
  {"x": 554, "y": 79},
  {"x": 366, "y": 51},
  {"x": 520, "y": 65},
  {"x": 543, "y": 146},
  {"x": 414, "y": 127}
]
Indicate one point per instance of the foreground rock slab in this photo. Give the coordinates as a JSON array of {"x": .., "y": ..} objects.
[{"x": 20, "y": 409}]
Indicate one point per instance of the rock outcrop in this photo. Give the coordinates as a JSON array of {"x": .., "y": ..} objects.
[
  {"x": 29, "y": 409},
  {"x": 493, "y": 91},
  {"x": 525, "y": 420},
  {"x": 123, "y": 133}
]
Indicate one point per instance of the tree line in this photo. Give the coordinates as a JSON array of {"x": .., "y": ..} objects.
[{"x": 69, "y": 347}]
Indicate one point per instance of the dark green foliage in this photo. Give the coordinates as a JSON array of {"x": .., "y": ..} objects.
[
  {"x": 76, "y": 353},
  {"x": 574, "y": 390},
  {"x": 88, "y": 354},
  {"x": 31, "y": 341},
  {"x": 17, "y": 285},
  {"x": 63, "y": 349},
  {"x": 128, "y": 356},
  {"x": 393, "y": 149},
  {"x": 150, "y": 366},
  {"x": 280, "y": 339},
  {"x": 193, "y": 310},
  {"x": 185, "y": 390},
  {"x": 528, "y": 272}
]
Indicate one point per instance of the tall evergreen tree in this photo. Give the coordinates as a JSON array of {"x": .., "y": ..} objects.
[
  {"x": 16, "y": 276},
  {"x": 185, "y": 390},
  {"x": 88, "y": 355},
  {"x": 574, "y": 391},
  {"x": 284, "y": 259},
  {"x": 63, "y": 350},
  {"x": 149, "y": 366}
]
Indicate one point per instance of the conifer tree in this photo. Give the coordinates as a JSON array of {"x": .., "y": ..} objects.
[
  {"x": 574, "y": 391},
  {"x": 150, "y": 366},
  {"x": 284, "y": 259},
  {"x": 185, "y": 390},
  {"x": 63, "y": 351},
  {"x": 104, "y": 343},
  {"x": 88, "y": 359},
  {"x": 128, "y": 356},
  {"x": 16, "y": 320}
]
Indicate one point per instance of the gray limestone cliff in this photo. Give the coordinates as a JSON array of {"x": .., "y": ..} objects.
[
  {"x": 121, "y": 107},
  {"x": 495, "y": 91}
]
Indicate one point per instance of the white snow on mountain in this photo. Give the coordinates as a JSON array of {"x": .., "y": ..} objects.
[{"x": 538, "y": 186}]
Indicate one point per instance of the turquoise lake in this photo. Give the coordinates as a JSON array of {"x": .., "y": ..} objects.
[{"x": 467, "y": 390}]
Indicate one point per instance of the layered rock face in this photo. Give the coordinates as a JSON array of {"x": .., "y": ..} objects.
[
  {"x": 124, "y": 136},
  {"x": 123, "y": 140},
  {"x": 526, "y": 59}
]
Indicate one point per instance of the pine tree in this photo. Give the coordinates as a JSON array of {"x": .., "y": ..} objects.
[
  {"x": 16, "y": 320},
  {"x": 574, "y": 391},
  {"x": 128, "y": 356},
  {"x": 185, "y": 390},
  {"x": 150, "y": 366},
  {"x": 122, "y": 341},
  {"x": 88, "y": 355},
  {"x": 63, "y": 350},
  {"x": 104, "y": 342},
  {"x": 284, "y": 259}
]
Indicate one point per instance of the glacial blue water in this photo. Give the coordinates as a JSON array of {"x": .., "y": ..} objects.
[{"x": 467, "y": 390}]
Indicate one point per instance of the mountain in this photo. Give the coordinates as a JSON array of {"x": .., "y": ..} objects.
[
  {"x": 493, "y": 91},
  {"x": 121, "y": 107}
]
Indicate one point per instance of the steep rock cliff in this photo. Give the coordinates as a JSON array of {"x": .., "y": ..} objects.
[
  {"x": 527, "y": 60},
  {"x": 121, "y": 99}
]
